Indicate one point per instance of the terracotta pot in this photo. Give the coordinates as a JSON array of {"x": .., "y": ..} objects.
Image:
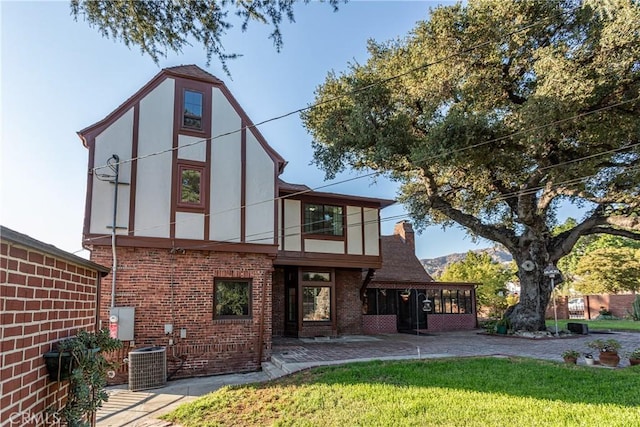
[
  {"x": 570, "y": 360},
  {"x": 634, "y": 362},
  {"x": 608, "y": 358}
]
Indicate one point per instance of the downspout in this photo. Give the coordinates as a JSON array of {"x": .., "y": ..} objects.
[{"x": 113, "y": 230}]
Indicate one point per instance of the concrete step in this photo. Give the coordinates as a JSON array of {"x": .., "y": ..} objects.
[{"x": 273, "y": 370}]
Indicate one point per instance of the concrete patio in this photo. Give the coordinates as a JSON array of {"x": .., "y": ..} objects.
[{"x": 126, "y": 408}]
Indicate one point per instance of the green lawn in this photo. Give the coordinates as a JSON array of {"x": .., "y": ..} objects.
[
  {"x": 450, "y": 392},
  {"x": 614, "y": 325}
]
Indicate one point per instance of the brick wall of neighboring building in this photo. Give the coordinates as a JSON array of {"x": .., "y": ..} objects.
[
  {"x": 618, "y": 304},
  {"x": 211, "y": 346},
  {"x": 45, "y": 298}
]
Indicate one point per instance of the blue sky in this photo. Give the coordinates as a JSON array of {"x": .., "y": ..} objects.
[{"x": 59, "y": 76}]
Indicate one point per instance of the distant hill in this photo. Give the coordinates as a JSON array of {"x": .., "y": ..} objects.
[{"x": 435, "y": 266}]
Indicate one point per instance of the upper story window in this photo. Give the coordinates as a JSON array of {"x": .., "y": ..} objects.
[
  {"x": 323, "y": 219},
  {"x": 192, "y": 112},
  {"x": 191, "y": 186}
]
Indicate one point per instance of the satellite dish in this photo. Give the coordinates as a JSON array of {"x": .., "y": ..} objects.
[{"x": 528, "y": 265}]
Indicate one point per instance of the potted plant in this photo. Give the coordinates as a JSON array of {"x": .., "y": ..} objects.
[
  {"x": 570, "y": 356},
  {"x": 88, "y": 375},
  {"x": 634, "y": 357},
  {"x": 588, "y": 359},
  {"x": 58, "y": 363},
  {"x": 503, "y": 325},
  {"x": 608, "y": 351}
]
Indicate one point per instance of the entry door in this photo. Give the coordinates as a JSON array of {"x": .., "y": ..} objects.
[
  {"x": 410, "y": 311},
  {"x": 291, "y": 302}
]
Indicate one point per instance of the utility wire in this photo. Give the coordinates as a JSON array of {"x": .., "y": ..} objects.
[
  {"x": 427, "y": 158},
  {"x": 335, "y": 98}
]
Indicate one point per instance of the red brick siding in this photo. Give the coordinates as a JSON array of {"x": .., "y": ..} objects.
[
  {"x": 619, "y": 305},
  {"x": 450, "y": 322},
  {"x": 278, "y": 302},
  {"x": 562, "y": 308},
  {"x": 373, "y": 324},
  {"x": 349, "y": 306},
  {"x": 44, "y": 299},
  {"x": 212, "y": 346}
]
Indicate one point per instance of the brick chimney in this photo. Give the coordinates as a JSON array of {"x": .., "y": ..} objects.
[{"x": 405, "y": 231}]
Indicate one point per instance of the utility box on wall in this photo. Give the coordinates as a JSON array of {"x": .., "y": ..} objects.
[{"x": 121, "y": 322}]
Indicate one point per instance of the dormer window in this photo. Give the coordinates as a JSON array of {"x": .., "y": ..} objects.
[
  {"x": 323, "y": 219},
  {"x": 192, "y": 111}
]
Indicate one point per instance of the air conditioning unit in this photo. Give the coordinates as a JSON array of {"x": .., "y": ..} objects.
[{"x": 147, "y": 368}]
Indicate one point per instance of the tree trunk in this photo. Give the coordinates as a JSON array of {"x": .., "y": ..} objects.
[{"x": 535, "y": 291}]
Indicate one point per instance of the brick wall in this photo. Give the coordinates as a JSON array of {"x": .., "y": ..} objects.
[
  {"x": 45, "y": 298},
  {"x": 278, "y": 302},
  {"x": 373, "y": 324},
  {"x": 211, "y": 346},
  {"x": 348, "y": 302},
  {"x": 450, "y": 322},
  {"x": 562, "y": 308},
  {"x": 618, "y": 304}
]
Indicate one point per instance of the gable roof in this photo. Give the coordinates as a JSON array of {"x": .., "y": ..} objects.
[
  {"x": 192, "y": 72},
  {"x": 399, "y": 263}
]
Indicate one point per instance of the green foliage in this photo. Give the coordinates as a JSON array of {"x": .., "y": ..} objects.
[
  {"x": 609, "y": 346},
  {"x": 156, "y": 26},
  {"x": 571, "y": 353},
  {"x": 584, "y": 247},
  {"x": 635, "y": 315},
  {"x": 486, "y": 116},
  {"x": 609, "y": 270},
  {"x": 88, "y": 379},
  {"x": 455, "y": 392},
  {"x": 492, "y": 276}
]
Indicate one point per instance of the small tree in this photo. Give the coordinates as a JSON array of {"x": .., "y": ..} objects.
[{"x": 492, "y": 276}]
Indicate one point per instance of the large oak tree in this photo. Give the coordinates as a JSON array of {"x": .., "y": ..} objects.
[{"x": 491, "y": 115}]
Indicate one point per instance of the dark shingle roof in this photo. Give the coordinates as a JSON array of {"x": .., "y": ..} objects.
[
  {"x": 193, "y": 72},
  {"x": 399, "y": 263}
]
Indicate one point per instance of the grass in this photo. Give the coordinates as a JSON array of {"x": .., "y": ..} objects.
[
  {"x": 614, "y": 325},
  {"x": 452, "y": 392}
]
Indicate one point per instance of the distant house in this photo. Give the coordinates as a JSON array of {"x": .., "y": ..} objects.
[
  {"x": 402, "y": 296},
  {"x": 214, "y": 253}
]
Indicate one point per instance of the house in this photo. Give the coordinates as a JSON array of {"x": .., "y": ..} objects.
[
  {"x": 402, "y": 296},
  {"x": 47, "y": 295},
  {"x": 214, "y": 254}
]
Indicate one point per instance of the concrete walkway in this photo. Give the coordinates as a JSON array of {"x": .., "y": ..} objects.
[{"x": 126, "y": 408}]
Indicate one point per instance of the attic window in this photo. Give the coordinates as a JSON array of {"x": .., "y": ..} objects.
[{"x": 192, "y": 111}]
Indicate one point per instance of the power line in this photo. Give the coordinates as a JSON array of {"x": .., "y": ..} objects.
[
  {"x": 427, "y": 158},
  {"x": 333, "y": 99}
]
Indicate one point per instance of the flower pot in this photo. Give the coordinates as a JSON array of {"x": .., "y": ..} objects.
[
  {"x": 608, "y": 358},
  {"x": 58, "y": 365},
  {"x": 501, "y": 329},
  {"x": 634, "y": 362},
  {"x": 570, "y": 360},
  {"x": 589, "y": 361}
]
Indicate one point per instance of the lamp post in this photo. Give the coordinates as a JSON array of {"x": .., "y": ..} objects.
[
  {"x": 426, "y": 306},
  {"x": 551, "y": 272}
]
